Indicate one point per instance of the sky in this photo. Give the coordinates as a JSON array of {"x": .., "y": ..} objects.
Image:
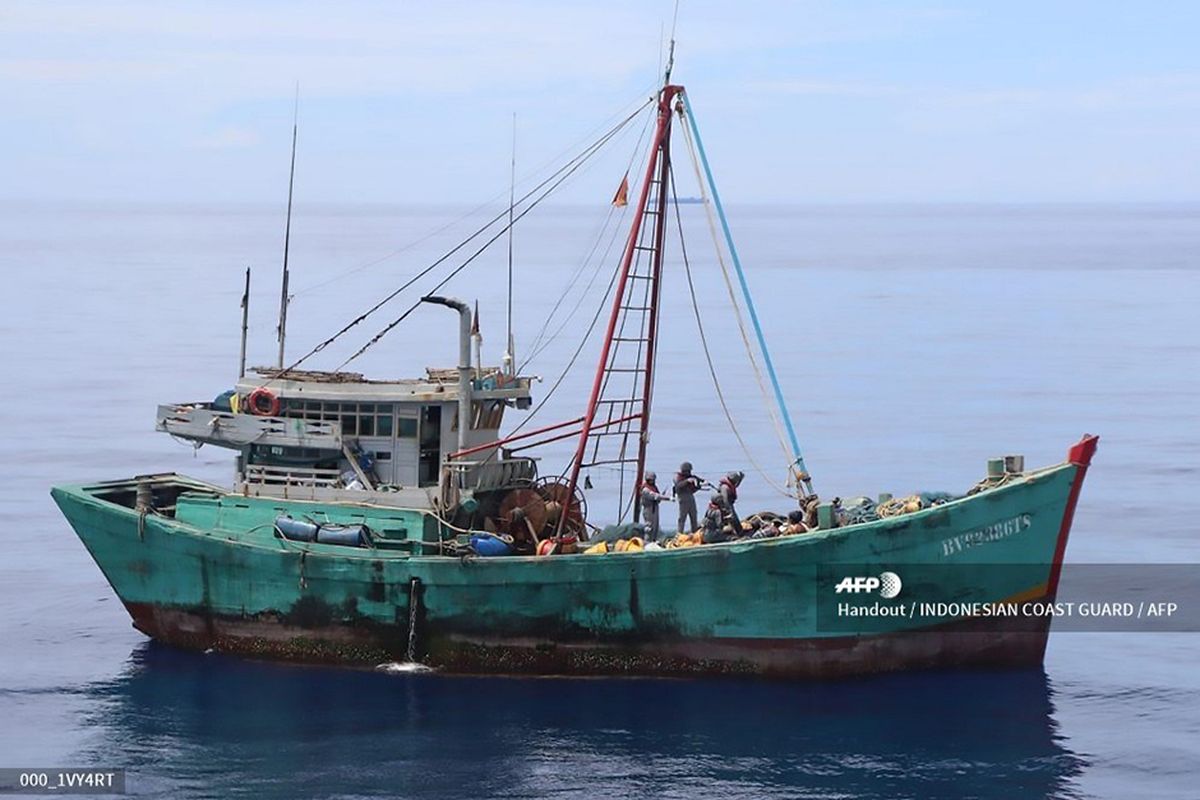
[{"x": 405, "y": 102}]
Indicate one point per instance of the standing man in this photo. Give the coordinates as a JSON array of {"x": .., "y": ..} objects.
[
  {"x": 729, "y": 493},
  {"x": 650, "y": 498},
  {"x": 686, "y": 486}
]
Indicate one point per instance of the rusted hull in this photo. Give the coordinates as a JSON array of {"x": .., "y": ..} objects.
[{"x": 961, "y": 645}]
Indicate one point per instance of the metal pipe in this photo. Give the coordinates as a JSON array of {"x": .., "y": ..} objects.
[
  {"x": 568, "y": 435},
  {"x": 464, "y": 361},
  {"x": 489, "y": 445}
]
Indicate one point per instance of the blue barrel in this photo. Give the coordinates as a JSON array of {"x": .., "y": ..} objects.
[
  {"x": 490, "y": 546},
  {"x": 295, "y": 529},
  {"x": 350, "y": 535}
]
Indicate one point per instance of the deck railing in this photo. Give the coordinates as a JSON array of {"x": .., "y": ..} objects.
[
  {"x": 491, "y": 474},
  {"x": 267, "y": 475}
]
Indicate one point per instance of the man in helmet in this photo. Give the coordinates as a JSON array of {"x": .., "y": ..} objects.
[
  {"x": 715, "y": 523},
  {"x": 729, "y": 492},
  {"x": 650, "y": 497},
  {"x": 686, "y": 486}
]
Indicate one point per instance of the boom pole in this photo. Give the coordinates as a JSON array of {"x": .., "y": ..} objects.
[{"x": 801, "y": 471}]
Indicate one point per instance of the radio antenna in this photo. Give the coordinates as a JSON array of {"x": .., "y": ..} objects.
[
  {"x": 671, "y": 49},
  {"x": 281, "y": 330},
  {"x": 510, "y": 354}
]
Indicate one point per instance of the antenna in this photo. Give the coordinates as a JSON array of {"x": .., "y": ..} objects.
[
  {"x": 671, "y": 50},
  {"x": 287, "y": 232},
  {"x": 510, "y": 354}
]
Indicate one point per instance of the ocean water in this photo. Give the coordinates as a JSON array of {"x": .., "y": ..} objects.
[{"x": 913, "y": 343}]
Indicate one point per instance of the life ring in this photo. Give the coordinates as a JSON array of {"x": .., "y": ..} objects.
[{"x": 263, "y": 402}]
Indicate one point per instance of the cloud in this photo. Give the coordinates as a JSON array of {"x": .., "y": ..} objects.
[{"x": 862, "y": 99}]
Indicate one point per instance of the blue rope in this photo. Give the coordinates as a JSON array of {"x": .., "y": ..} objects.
[{"x": 737, "y": 263}]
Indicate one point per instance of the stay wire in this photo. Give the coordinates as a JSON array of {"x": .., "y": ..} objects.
[
  {"x": 587, "y": 335},
  {"x": 733, "y": 301},
  {"x": 712, "y": 370},
  {"x": 569, "y": 168},
  {"x": 427, "y": 236},
  {"x": 541, "y": 341},
  {"x": 558, "y": 182}
]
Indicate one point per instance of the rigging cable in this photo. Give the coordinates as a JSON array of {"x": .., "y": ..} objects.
[
  {"x": 541, "y": 341},
  {"x": 587, "y": 335},
  {"x": 427, "y": 236},
  {"x": 758, "y": 376},
  {"x": 569, "y": 168},
  {"x": 578, "y": 163},
  {"x": 798, "y": 469},
  {"x": 712, "y": 370}
]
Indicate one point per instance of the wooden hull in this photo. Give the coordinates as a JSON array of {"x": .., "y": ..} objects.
[
  {"x": 215, "y": 577},
  {"x": 961, "y": 645}
]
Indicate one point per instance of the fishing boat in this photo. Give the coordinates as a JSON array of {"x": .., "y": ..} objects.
[{"x": 382, "y": 521}]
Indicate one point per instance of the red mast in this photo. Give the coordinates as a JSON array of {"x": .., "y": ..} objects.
[{"x": 640, "y": 263}]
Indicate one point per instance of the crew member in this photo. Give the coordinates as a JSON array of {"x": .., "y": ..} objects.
[
  {"x": 650, "y": 498},
  {"x": 686, "y": 486},
  {"x": 729, "y": 493},
  {"x": 715, "y": 521}
]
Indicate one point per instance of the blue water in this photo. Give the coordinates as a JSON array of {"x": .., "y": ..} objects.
[{"x": 913, "y": 343}]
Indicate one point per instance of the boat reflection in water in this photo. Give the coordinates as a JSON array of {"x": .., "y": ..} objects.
[{"x": 186, "y": 722}]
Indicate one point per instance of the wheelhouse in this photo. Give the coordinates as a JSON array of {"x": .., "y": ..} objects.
[{"x": 329, "y": 432}]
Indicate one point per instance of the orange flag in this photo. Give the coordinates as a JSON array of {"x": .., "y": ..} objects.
[{"x": 621, "y": 198}]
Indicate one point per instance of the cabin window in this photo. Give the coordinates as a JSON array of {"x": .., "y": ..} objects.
[
  {"x": 362, "y": 419},
  {"x": 406, "y": 427},
  {"x": 355, "y": 419},
  {"x": 292, "y": 456}
]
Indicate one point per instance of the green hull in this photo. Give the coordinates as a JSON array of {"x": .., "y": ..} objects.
[{"x": 215, "y": 576}]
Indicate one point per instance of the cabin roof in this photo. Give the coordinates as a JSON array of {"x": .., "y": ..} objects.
[{"x": 438, "y": 385}]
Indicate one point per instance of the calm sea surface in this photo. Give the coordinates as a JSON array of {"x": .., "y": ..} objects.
[{"x": 913, "y": 342}]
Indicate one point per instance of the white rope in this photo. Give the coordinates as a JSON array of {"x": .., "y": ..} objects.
[
  {"x": 768, "y": 403},
  {"x": 712, "y": 370}
]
